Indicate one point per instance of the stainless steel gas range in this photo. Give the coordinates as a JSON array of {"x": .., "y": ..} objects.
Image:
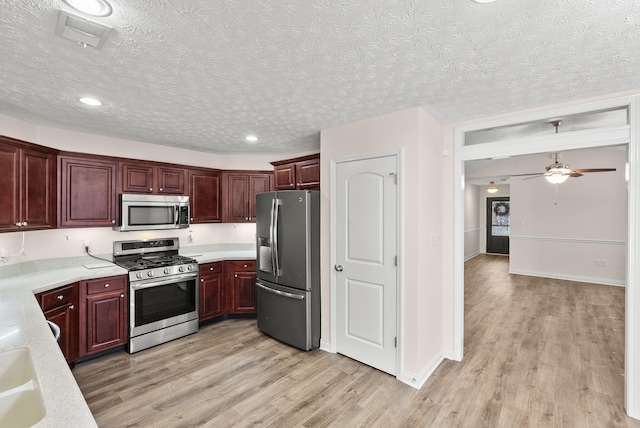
[{"x": 163, "y": 291}]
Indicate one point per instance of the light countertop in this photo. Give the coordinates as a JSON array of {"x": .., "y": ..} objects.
[{"x": 22, "y": 323}]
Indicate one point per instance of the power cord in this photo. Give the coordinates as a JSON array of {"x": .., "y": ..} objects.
[{"x": 86, "y": 250}]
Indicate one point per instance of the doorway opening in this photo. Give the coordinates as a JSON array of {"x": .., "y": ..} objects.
[{"x": 498, "y": 224}]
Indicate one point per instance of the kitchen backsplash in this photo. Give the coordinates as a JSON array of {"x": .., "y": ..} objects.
[{"x": 67, "y": 243}]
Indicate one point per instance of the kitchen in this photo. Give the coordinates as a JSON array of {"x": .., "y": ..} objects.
[{"x": 427, "y": 330}]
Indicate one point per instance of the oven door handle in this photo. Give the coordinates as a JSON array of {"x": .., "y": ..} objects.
[{"x": 156, "y": 283}]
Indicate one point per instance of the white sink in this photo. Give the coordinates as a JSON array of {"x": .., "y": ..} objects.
[{"x": 20, "y": 397}]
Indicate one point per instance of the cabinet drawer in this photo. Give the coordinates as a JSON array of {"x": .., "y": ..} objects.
[
  {"x": 55, "y": 298},
  {"x": 244, "y": 265},
  {"x": 106, "y": 284},
  {"x": 211, "y": 268}
]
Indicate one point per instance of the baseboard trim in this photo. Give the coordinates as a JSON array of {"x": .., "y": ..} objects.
[
  {"x": 325, "y": 345},
  {"x": 418, "y": 380},
  {"x": 553, "y": 275}
]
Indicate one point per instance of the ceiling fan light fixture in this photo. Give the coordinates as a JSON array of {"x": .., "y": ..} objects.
[
  {"x": 558, "y": 173},
  {"x": 492, "y": 188}
]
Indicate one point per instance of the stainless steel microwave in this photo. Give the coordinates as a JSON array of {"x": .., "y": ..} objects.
[{"x": 153, "y": 212}]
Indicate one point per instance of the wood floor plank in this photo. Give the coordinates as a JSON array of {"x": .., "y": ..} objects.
[{"x": 538, "y": 352}]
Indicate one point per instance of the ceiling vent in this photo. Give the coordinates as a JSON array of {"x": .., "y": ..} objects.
[{"x": 82, "y": 30}]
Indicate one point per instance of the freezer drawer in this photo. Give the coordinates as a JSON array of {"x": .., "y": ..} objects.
[{"x": 285, "y": 314}]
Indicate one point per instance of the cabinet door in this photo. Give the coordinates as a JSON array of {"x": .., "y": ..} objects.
[
  {"x": 9, "y": 187},
  {"x": 308, "y": 175},
  {"x": 171, "y": 180},
  {"x": 87, "y": 192},
  {"x": 66, "y": 317},
  {"x": 258, "y": 183},
  {"x": 137, "y": 178},
  {"x": 204, "y": 191},
  {"x": 38, "y": 190},
  {"x": 238, "y": 198},
  {"x": 106, "y": 321},
  {"x": 212, "y": 299},
  {"x": 285, "y": 176},
  {"x": 244, "y": 292}
]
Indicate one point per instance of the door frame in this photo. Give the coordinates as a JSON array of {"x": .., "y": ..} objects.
[
  {"x": 333, "y": 164},
  {"x": 610, "y": 136}
]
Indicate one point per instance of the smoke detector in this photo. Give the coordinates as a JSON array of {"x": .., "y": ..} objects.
[{"x": 82, "y": 30}]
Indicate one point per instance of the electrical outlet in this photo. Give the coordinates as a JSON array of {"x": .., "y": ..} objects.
[
  {"x": 3, "y": 255},
  {"x": 86, "y": 245}
]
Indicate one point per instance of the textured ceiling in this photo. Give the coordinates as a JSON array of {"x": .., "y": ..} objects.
[{"x": 202, "y": 74}]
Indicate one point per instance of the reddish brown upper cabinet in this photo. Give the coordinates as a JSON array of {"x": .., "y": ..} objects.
[
  {"x": 241, "y": 285},
  {"x": 151, "y": 178},
  {"x": 28, "y": 187},
  {"x": 103, "y": 319},
  {"x": 87, "y": 189},
  {"x": 241, "y": 188},
  {"x": 61, "y": 306},
  {"x": 301, "y": 173},
  {"x": 212, "y": 296},
  {"x": 204, "y": 196}
]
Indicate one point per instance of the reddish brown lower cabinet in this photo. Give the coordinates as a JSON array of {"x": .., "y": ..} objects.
[
  {"x": 241, "y": 285},
  {"x": 212, "y": 296},
  {"x": 103, "y": 321},
  {"x": 61, "y": 306}
]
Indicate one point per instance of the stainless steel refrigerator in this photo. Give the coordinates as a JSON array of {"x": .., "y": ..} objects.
[{"x": 288, "y": 266}]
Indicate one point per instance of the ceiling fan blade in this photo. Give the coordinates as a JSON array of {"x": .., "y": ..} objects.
[
  {"x": 522, "y": 175},
  {"x": 575, "y": 174},
  {"x": 533, "y": 176},
  {"x": 592, "y": 170}
]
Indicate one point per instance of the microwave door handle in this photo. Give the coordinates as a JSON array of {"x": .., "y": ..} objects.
[{"x": 177, "y": 207}]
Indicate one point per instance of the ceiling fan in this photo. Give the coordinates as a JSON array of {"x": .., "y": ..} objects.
[{"x": 557, "y": 172}]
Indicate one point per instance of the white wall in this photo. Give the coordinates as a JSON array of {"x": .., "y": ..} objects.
[
  {"x": 419, "y": 136},
  {"x": 560, "y": 231},
  {"x": 471, "y": 221},
  {"x": 67, "y": 242}
]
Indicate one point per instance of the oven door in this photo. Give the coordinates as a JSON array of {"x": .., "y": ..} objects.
[{"x": 159, "y": 303}]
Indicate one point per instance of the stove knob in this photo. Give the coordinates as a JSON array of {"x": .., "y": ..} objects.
[
  {"x": 181, "y": 268},
  {"x": 167, "y": 271},
  {"x": 150, "y": 273},
  {"x": 190, "y": 267},
  {"x": 139, "y": 275}
]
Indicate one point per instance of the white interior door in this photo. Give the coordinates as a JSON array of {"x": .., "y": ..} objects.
[{"x": 365, "y": 261}]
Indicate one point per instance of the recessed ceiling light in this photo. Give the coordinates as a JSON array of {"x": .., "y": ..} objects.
[
  {"x": 90, "y": 101},
  {"x": 251, "y": 138},
  {"x": 91, "y": 7},
  {"x": 483, "y": 1}
]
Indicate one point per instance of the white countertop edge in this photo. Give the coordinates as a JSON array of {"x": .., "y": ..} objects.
[{"x": 22, "y": 324}]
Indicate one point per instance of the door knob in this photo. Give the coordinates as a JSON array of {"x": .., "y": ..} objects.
[{"x": 338, "y": 268}]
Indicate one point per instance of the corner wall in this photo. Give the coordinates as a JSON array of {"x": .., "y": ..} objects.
[{"x": 419, "y": 136}]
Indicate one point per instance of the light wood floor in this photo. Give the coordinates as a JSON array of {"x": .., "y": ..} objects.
[{"x": 538, "y": 353}]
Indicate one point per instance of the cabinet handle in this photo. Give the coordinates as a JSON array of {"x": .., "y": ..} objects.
[
  {"x": 122, "y": 295},
  {"x": 151, "y": 189},
  {"x": 161, "y": 189},
  {"x": 245, "y": 265},
  {"x": 24, "y": 223},
  {"x": 72, "y": 307},
  {"x": 21, "y": 223},
  {"x": 106, "y": 286},
  {"x": 60, "y": 297},
  {"x": 113, "y": 222},
  {"x": 210, "y": 268},
  {"x": 236, "y": 275},
  {"x": 202, "y": 280}
]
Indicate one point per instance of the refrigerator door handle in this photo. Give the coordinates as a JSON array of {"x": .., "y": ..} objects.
[
  {"x": 280, "y": 293},
  {"x": 274, "y": 239}
]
